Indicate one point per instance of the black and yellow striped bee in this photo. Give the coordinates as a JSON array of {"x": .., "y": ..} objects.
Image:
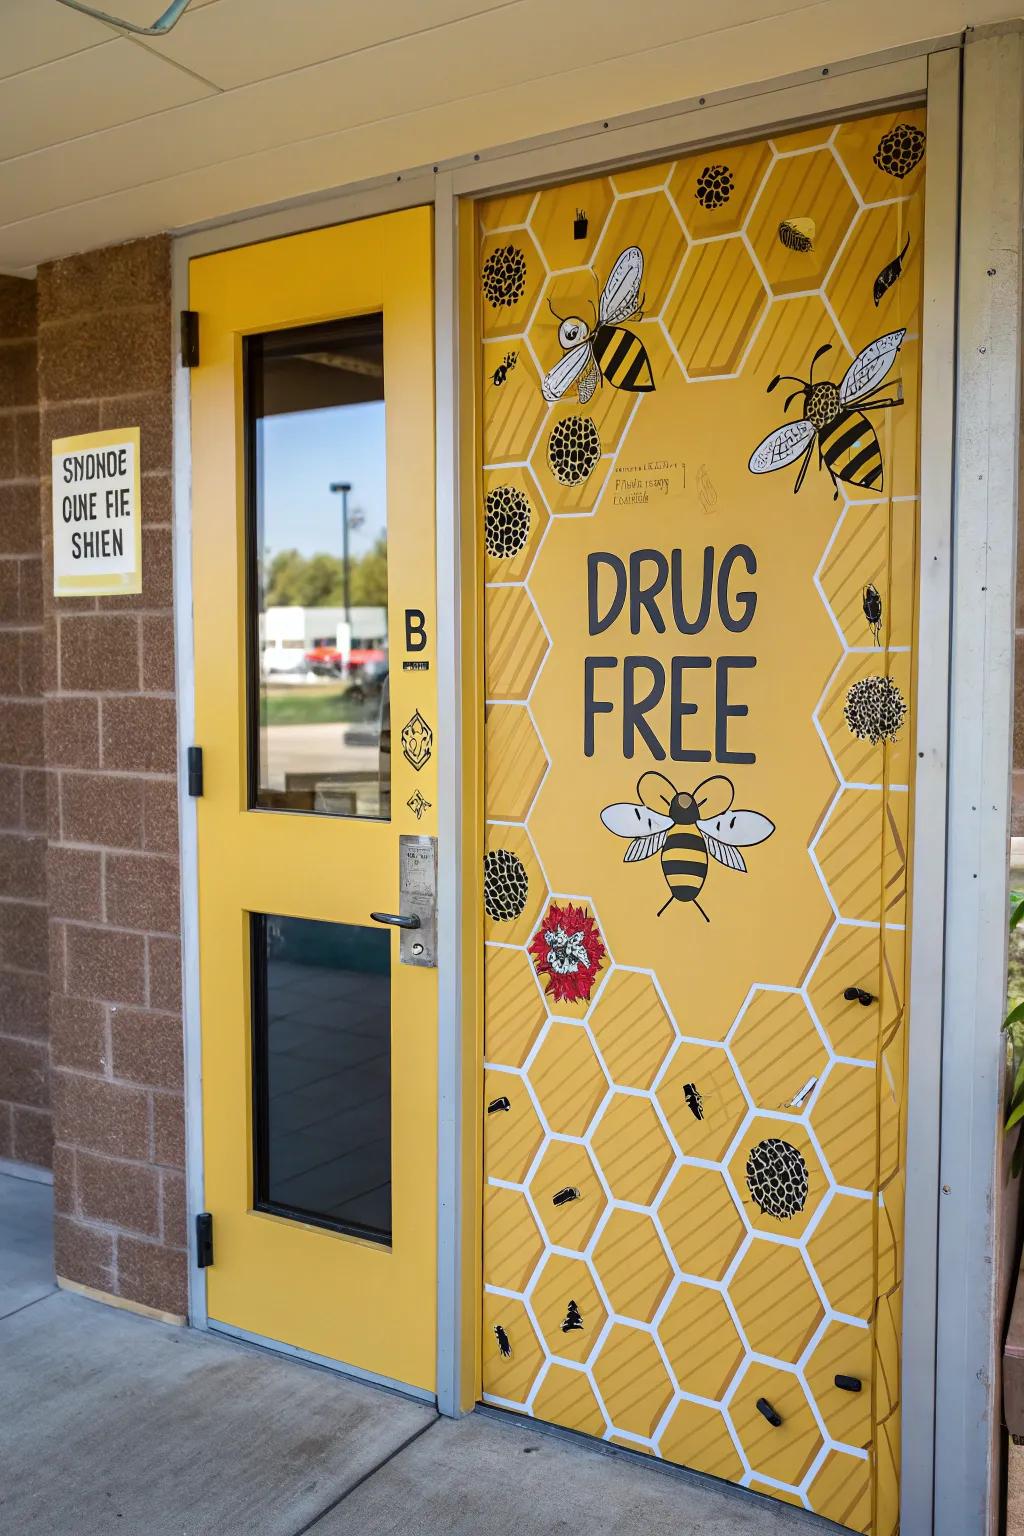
[
  {"x": 686, "y": 829},
  {"x": 606, "y": 350},
  {"x": 834, "y": 416}
]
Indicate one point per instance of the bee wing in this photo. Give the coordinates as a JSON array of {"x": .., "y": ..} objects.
[
  {"x": 781, "y": 447},
  {"x": 645, "y": 829},
  {"x": 732, "y": 830},
  {"x": 621, "y": 297},
  {"x": 870, "y": 367},
  {"x": 566, "y": 371},
  {"x": 589, "y": 383}
]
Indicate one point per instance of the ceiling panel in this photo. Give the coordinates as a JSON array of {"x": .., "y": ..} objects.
[{"x": 34, "y": 32}]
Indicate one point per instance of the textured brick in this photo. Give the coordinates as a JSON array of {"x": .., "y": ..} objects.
[
  {"x": 6, "y": 1130},
  {"x": 101, "y": 808},
  {"x": 78, "y": 1034},
  {"x": 31, "y": 664},
  {"x": 17, "y": 373},
  {"x": 32, "y": 1136},
  {"x": 23, "y": 732},
  {"x": 25, "y": 1072},
  {"x": 119, "y": 352},
  {"x": 8, "y": 448},
  {"x": 72, "y": 733},
  {"x": 10, "y": 798},
  {"x": 64, "y": 420},
  {"x": 10, "y": 662},
  {"x": 142, "y": 892},
  {"x": 22, "y": 866},
  {"x": 157, "y": 500},
  {"x": 152, "y": 1274},
  {"x": 173, "y": 1205},
  {"x": 152, "y": 414},
  {"x": 105, "y": 963},
  {"x": 24, "y": 1006},
  {"x": 164, "y": 974},
  {"x": 10, "y": 591},
  {"x": 74, "y": 883},
  {"x": 157, "y": 574},
  {"x": 99, "y": 653},
  {"x": 17, "y": 307},
  {"x": 35, "y": 783},
  {"x": 26, "y": 444},
  {"x": 65, "y": 1198},
  {"x": 24, "y": 941},
  {"x": 160, "y": 815},
  {"x": 112, "y": 1118},
  {"x": 83, "y": 1254},
  {"x": 137, "y": 272},
  {"x": 19, "y": 517},
  {"x": 158, "y": 653},
  {"x": 30, "y": 591},
  {"x": 169, "y": 1130},
  {"x": 139, "y": 735},
  {"x": 119, "y": 1193},
  {"x": 147, "y": 1047}
]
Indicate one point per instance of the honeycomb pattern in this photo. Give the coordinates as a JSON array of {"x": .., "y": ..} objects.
[{"x": 690, "y": 1215}]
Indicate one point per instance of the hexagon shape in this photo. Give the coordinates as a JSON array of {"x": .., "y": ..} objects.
[
  {"x": 633, "y": 1265},
  {"x": 568, "y": 1194},
  {"x": 851, "y": 957},
  {"x": 799, "y": 191},
  {"x": 700, "y": 1220},
  {"x": 567, "y": 1307},
  {"x": 553, "y": 221},
  {"x": 514, "y": 518},
  {"x": 713, "y": 204},
  {"x": 849, "y": 850},
  {"x": 569, "y": 956},
  {"x": 784, "y": 1451},
  {"x": 511, "y": 277},
  {"x": 698, "y": 1436},
  {"x": 504, "y": 212},
  {"x": 792, "y": 333},
  {"x": 858, "y": 143},
  {"x": 716, "y": 304},
  {"x": 845, "y": 1118},
  {"x": 774, "y": 1295},
  {"x": 512, "y": 1243},
  {"x": 513, "y": 407},
  {"x": 841, "y": 1491},
  {"x": 513, "y": 1134},
  {"x": 515, "y": 1010},
  {"x": 510, "y": 1363},
  {"x": 843, "y": 1350},
  {"x": 632, "y": 1380},
  {"x": 649, "y": 221},
  {"x": 841, "y": 1249},
  {"x": 631, "y": 1148},
  {"x": 858, "y": 558},
  {"x": 778, "y": 1050},
  {"x": 567, "y": 1079},
  {"x": 515, "y": 643},
  {"x": 700, "y": 1340},
  {"x": 878, "y": 237},
  {"x": 702, "y": 1100},
  {"x": 777, "y": 1176},
  {"x": 514, "y": 759},
  {"x": 632, "y": 1029},
  {"x": 570, "y": 460},
  {"x": 641, "y": 178},
  {"x": 515, "y": 891},
  {"x": 566, "y": 1397}
]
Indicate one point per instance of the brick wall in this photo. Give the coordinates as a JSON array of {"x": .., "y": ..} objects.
[
  {"x": 112, "y": 862},
  {"x": 24, "y": 1001}
]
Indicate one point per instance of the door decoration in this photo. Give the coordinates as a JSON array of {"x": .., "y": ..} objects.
[
  {"x": 504, "y": 277},
  {"x": 417, "y": 741},
  {"x": 504, "y": 368},
  {"x": 698, "y": 759}
]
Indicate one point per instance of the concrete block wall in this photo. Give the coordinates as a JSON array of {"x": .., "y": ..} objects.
[
  {"x": 25, "y": 1127},
  {"x": 104, "y": 335}
]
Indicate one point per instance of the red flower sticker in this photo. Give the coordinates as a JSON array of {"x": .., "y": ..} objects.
[{"x": 567, "y": 948}]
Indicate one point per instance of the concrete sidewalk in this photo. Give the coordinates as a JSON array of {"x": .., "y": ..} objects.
[{"x": 113, "y": 1423}]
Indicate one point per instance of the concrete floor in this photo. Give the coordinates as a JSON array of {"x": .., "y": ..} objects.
[{"x": 112, "y": 1423}]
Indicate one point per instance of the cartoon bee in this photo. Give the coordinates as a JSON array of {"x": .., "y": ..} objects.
[
  {"x": 504, "y": 368},
  {"x": 872, "y": 605},
  {"x": 686, "y": 828},
  {"x": 834, "y": 415},
  {"x": 564, "y": 1196},
  {"x": 694, "y": 1100},
  {"x": 606, "y": 350},
  {"x": 504, "y": 1347}
]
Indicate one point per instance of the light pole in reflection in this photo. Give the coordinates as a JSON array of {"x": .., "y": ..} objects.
[{"x": 344, "y": 487}]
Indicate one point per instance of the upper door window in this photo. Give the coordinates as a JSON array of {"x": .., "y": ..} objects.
[{"x": 316, "y": 496}]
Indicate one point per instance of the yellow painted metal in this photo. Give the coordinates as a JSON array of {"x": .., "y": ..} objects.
[
  {"x": 349, "y": 1300},
  {"x": 619, "y": 1177}
]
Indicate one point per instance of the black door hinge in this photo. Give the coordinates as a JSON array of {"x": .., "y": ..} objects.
[
  {"x": 204, "y": 1240},
  {"x": 195, "y": 772},
  {"x": 189, "y": 338}
]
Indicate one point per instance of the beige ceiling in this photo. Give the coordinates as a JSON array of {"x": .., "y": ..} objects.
[{"x": 105, "y": 136}]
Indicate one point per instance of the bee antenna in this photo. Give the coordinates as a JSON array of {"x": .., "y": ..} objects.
[
  {"x": 794, "y": 396},
  {"x": 820, "y": 353},
  {"x": 779, "y": 378},
  {"x": 594, "y": 308},
  {"x": 554, "y": 311}
]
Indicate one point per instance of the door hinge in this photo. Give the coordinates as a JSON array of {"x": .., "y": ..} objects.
[
  {"x": 189, "y": 338},
  {"x": 204, "y": 1240},
  {"x": 195, "y": 772}
]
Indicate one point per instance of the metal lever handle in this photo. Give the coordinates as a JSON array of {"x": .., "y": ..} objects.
[
  {"x": 858, "y": 995},
  {"x": 396, "y": 919}
]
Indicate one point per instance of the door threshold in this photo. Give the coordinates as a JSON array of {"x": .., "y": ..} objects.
[{"x": 340, "y": 1368}]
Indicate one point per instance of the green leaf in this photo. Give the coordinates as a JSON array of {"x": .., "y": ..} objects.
[
  {"x": 1017, "y": 915},
  {"x": 1017, "y": 1161},
  {"x": 1015, "y": 1116},
  {"x": 1015, "y": 1014}
]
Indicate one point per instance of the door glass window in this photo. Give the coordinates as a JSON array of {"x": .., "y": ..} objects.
[
  {"x": 316, "y": 493},
  {"x": 322, "y": 1073}
]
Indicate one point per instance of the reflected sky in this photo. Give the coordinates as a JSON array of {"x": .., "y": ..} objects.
[{"x": 303, "y": 452}]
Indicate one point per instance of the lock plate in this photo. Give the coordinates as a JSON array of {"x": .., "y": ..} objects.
[{"x": 417, "y": 893}]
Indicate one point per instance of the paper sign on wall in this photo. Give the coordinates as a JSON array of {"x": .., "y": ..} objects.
[{"x": 97, "y": 533}]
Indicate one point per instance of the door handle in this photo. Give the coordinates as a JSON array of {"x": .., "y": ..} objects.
[
  {"x": 396, "y": 919},
  {"x": 858, "y": 995}
]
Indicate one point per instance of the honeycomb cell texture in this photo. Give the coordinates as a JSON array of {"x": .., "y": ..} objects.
[
  {"x": 875, "y": 709},
  {"x": 504, "y": 277},
  {"x": 574, "y": 448},
  {"x": 777, "y": 1178},
  {"x": 506, "y": 522},
  {"x": 505, "y": 885},
  {"x": 899, "y": 150},
  {"x": 714, "y": 186}
]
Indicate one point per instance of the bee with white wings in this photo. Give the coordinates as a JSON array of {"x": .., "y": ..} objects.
[
  {"x": 686, "y": 829},
  {"x": 834, "y": 416},
  {"x": 607, "y": 350}
]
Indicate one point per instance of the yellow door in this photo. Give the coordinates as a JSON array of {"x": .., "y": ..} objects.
[
  {"x": 312, "y": 438},
  {"x": 699, "y": 603}
]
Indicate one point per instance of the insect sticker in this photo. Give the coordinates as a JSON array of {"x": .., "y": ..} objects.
[
  {"x": 504, "y": 1347},
  {"x": 890, "y": 273},
  {"x": 565, "y": 1196},
  {"x": 572, "y": 1320},
  {"x": 797, "y": 234},
  {"x": 875, "y": 709},
  {"x": 580, "y": 225},
  {"x": 417, "y": 742},
  {"x": 568, "y": 949},
  {"x": 499, "y": 1106},
  {"x": 694, "y": 1101},
  {"x": 687, "y": 829},
  {"x": 504, "y": 368},
  {"x": 607, "y": 350},
  {"x": 872, "y": 605},
  {"x": 777, "y": 1179},
  {"x": 834, "y": 418}
]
